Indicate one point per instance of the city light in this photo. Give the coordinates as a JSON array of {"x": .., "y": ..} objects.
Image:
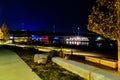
[
  {"x": 99, "y": 38},
  {"x": 77, "y": 40}
]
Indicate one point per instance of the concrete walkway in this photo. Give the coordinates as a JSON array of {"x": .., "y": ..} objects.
[{"x": 12, "y": 67}]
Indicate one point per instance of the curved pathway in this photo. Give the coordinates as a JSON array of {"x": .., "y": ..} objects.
[{"x": 12, "y": 67}]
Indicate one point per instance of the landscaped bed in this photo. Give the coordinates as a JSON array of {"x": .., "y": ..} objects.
[{"x": 48, "y": 71}]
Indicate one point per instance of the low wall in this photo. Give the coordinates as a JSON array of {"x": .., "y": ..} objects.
[
  {"x": 110, "y": 63},
  {"x": 106, "y": 62},
  {"x": 92, "y": 59},
  {"x": 83, "y": 70}
]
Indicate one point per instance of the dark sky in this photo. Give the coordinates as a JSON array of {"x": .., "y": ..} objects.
[{"x": 42, "y": 15}]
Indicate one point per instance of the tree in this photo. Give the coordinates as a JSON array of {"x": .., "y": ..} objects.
[
  {"x": 5, "y": 32},
  {"x": 104, "y": 20},
  {"x": 1, "y": 34}
]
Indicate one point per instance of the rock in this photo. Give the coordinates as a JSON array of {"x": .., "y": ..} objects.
[
  {"x": 41, "y": 58},
  {"x": 42, "y": 61}
]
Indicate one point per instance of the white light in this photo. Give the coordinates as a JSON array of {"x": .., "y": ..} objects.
[
  {"x": 99, "y": 38},
  {"x": 11, "y": 37}
]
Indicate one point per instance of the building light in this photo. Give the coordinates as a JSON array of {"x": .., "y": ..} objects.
[
  {"x": 77, "y": 40},
  {"x": 11, "y": 37},
  {"x": 99, "y": 38}
]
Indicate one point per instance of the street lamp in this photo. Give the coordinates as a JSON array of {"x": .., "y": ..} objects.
[
  {"x": 78, "y": 30},
  {"x": 53, "y": 28}
]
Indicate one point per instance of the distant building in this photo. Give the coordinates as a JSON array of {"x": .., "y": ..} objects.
[
  {"x": 20, "y": 36},
  {"x": 77, "y": 40},
  {"x": 40, "y": 38},
  {"x": 90, "y": 39}
]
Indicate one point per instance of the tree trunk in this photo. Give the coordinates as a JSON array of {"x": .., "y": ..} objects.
[
  {"x": 118, "y": 55},
  {"x": 118, "y": 24}
]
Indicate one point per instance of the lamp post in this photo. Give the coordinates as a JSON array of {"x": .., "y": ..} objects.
[
  {"x": 54, "y": 29},
  {"x": 78, "y": 30}
]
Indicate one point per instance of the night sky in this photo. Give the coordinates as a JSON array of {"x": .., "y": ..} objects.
[{"x": 42, "y": 15}]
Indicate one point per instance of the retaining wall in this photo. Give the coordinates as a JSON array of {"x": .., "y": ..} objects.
[
  {"x": 83, "y": 70},
  {"x": 106, "y": 62}
]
